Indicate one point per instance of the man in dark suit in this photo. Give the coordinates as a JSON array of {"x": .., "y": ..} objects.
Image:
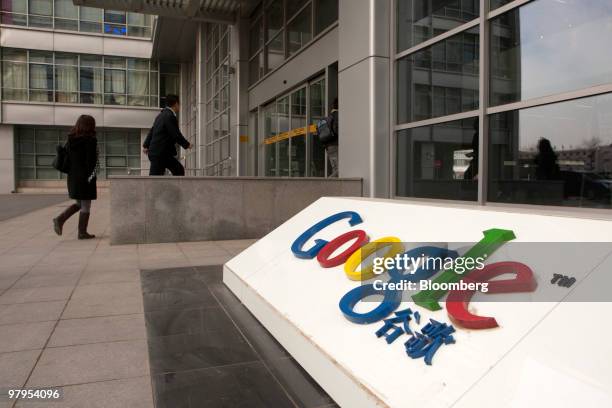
[{"x": 162, "y": 138}]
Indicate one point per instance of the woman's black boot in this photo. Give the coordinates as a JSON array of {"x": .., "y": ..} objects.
[
  {"x": 83, "y": 221},
  {"x": 58, "y": 223}
]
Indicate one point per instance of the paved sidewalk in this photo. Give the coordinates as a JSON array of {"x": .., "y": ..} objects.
[
  {"x": 71, "y": 312},
  {"x": 13, "y": 205}
]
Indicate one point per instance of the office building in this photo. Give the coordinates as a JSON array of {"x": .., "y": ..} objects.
[
  {"x": 479, "y": 101},
  {"x": 59, "y": 61}
]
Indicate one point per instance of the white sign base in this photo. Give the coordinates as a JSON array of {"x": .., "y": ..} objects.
[{"x": 546, "y": 353}]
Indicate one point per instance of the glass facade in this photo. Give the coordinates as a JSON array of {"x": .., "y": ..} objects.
[
  {"x": 190, "y": 122},
  {"x": 419, "y": 21},
  {"x": 64, "y": 15},
  {"x": 439, "y": 80},
  {"x": 290, "y": 147},
  {"x": 527, "y": 42},
  {"x": 557, "y": 154},
  {"x": 46, "y": 76},
  {"x": 280, "y": 28},
  {"x": 119, "y": 152},
  {"x": 545, "y": 119},
  {"x": 218, "y": 135}
]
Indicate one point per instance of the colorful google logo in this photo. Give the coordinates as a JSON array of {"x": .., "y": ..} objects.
[{"x": 457, "y": 300}]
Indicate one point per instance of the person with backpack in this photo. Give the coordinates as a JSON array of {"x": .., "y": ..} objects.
[
  {"x": 327, "y": 130},
  {"x": 80, "y": 162}
]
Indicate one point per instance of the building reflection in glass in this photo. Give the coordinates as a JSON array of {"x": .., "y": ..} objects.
[
  {"x": 421, "y": 20},
  {"x": 439, "y": 161},
  {"x": 439, "y": 80},
  {"x": 577, "y": 171},
  {"x": 548, "y": 47}
]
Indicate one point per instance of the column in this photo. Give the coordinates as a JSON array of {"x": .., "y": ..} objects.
[
  {"x": 363, "y": 92},
  {"x": 7, "y": 159}
]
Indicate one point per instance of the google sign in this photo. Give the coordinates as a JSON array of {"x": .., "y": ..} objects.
[{"x": 458, "y": 276}]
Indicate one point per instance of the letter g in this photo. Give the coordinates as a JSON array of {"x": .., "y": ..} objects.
[{"x": 299, "y": 243}]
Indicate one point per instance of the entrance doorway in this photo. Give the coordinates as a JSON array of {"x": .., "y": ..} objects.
[{"x": 289, "y": 143}]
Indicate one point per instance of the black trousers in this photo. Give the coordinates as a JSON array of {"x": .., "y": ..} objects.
[{"x": 160, "y": 164}]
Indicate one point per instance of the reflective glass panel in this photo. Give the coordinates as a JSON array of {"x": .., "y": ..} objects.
[
  {"x": 439, "y": 80},
  {"x": 559, "y": 154},
  {"x": 548, "y": 46},
  {"x": 420, "y": 20},
  {"x": 439, "y": 161}
]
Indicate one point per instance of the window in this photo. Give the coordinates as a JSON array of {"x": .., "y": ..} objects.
[
  {"x": 275, "y": 18},
  {"x": 290, "y": 147},
  {"x": 169, "y": 81},
  {"x": 317, "y": 102},
  {"x": 326, "y": 14},
  {"x": 545, "y": 123},
  {"x": 64, "y": 15},
  {"x": 14, "y": 12},
  {"x": 42, "y": 76},
  {"x": 217, "y": 148},
  {"x": 139, "y": 25},
  {"x": 119, "y": 152},
  {"x": 91, "y": 79},
  {"x": 298, "y": 30},
  {"x": 40, "y": 13},
  {"x": 493, "y": 4},
  {"x": 14, "y": 74},
  {"x": 548, "y": 47},
  {"x": 439, "y": 80},
  {"x": 275, "y": 52},
  {"x": 115, "y": 22},
  {"x": 114, "y": 81},
  {"x": 66, "y": 78},
  {"x": 421, "y": 20},
  {"x": 281, "y": 28},
  {"x": 91, "y": 19},
  {"x": 293, "y": 6},
  {"x": 553, "y": 154},
  {"x": 439, "y": 161}
]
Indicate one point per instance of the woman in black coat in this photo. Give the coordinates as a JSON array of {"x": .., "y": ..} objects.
[{"x": 82, "y": 147}]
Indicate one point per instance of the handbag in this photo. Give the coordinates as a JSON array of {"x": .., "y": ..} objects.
[{"x": 61, "y": 161}]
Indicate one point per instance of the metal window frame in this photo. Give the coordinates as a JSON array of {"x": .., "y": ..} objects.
[
  {"x": 149, "y": 96},
  {"x": 260, "y": 14},
  {"x": 261, "y": 112},
  {"x": 214, "y": 95},
  {"x": 78, "y": 20},
  {"x": 102, "y": 142},
  {"x": 483, "y": 112}
]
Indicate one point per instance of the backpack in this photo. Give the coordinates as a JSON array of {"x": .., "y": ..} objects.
[
  {"x": 61, "y": 161},
  {"x": 327, "y": 129}
]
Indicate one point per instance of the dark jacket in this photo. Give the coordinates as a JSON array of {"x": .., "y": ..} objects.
[
  {"x": 83, "y": 158},
  {"x": 334, "y": 127},
  {"x": 164, "y": 135}
]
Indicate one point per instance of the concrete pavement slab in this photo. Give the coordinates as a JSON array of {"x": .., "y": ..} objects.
[
  {"x": 105, "y": 299},
  {"x": 90, "y": 363},
  {"x": 42, "y": 294},
  {"x": 97, "y": 330},
  {"x": 131, "y": 392},
  {"x": 16, "y": 367},
  {"x": 24, "y": 336},
  {"x": 31, "y": 312}
]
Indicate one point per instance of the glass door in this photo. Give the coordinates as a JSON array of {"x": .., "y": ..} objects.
[
  {"x": 316, "y": 112},
  {"x": 270, "y": 131},
  {"x": 298, "y": 129},
  {"x": 283, "y": 144}
]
